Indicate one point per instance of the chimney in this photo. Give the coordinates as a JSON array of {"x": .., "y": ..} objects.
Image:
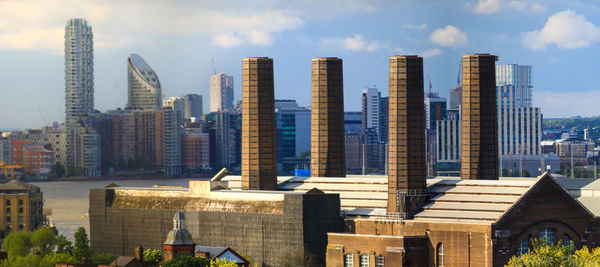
[
  {"x": 479, "y": 149},
  {"x": 139, "y": 253},
  {"x": 328, "y": 144},
  {"x": 407, "y": 188},
  {"x": 259, "y": 161}
]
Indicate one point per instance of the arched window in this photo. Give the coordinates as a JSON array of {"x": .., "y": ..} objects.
[
  {"x": 349, "y": 260},
  {"x": 440, "y": 255},
  {"x": 568, "y": 240},
  {"x": 523, "y": 247},
  {"x": 380, "y": 261},
  {"x": 548, "y": 235},
  {"x": 364, "y": 260}
]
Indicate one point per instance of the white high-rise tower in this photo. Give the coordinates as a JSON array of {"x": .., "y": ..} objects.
[
  {"x": 221, "y": 92},
  {"x": 79, "y": 70}
]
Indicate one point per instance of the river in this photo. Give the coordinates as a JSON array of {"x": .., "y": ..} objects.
[{"x": 69, "y": 200}]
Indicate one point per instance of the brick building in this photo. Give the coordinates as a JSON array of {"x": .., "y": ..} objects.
[
  {"x": 22, "y": 206},
  {"x": 194, "y": 149}
]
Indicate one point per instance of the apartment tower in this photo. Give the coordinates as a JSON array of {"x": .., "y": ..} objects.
[
  {"x": 221, "y": 92},
  {"x": 143, "y": 87},
  {"x": 327, "y": 118},
  {"x": 479, "y": 155},
  {"x": 259, "y": 163},
  {"x": 406, "y": 140}
]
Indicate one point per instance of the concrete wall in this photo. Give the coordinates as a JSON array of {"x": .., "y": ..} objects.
[{"x": 264, "y": 236}]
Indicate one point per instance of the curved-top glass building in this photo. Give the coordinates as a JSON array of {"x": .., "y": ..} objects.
[{"x": 143, "y": 87}]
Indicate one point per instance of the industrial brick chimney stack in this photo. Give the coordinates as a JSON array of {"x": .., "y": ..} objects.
[
  {"x": 259, "y": 156},
  {"x": 328, "y": 157},
  {"x": 407, "y": 188},
  {"x": 479, "y": 149}
]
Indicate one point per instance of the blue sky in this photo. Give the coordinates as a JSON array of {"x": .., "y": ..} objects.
[{"x": 179, "y": 38}]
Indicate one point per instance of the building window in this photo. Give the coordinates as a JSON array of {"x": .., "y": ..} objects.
[
  {"x": 7, "y": 210},
  {"x": 548, "y": 235},
  {"x": 21, "y": 210},
  {"x": 7, "y": 218},
  {"x": 440, "y": 255},
  {"x": 380, "y": 262},
  {"x": 364, "y": 260},
  {"x": 349, "y": 260},
  {"x": 523, "y": 247},
  {"x": 20, "y": 202},
  {"x": 8, "y": 203},
  {"x": 568, "y": 241},
  {"x": 20, "y": 227}
]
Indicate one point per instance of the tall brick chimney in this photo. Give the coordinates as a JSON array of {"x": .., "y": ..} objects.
[
  {"x": 407, "y": 188},
  {"x": 479, "y": 149},
  {"x": 328, "y": 157},
  {"x": 259, "y": 161}
]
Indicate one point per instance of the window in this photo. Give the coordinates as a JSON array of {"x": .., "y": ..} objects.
[
  {"x": 20, "y": 227},
  {"x": 8, "y": 203},
  {"x": 440, "y": 254},
  {"x": 7, "y": 218},
  {"x": 568, "y": 241},
  {"x": 21, "y": 210},
  {"x": 380, "y": 261},
  {"x": 349, "y": 260},
  {"x": 364, "y": 260},
  {"x": 523, "y": 247},
  {"x": 548, "y": 235},
  {"x": 20, "y": 202},
  {"x": 7, "y": 210}
]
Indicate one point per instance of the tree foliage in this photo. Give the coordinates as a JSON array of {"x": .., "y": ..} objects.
[
  {"x": 82, "y": 244},
  {"x": 153, "y": 256},
  {"x": 187, "y": 261},
  {"x": 43, "y": 239},
  {"x": 557, "y": 255},
  {"x": 298, "y": 258},
  {"x": 17, "y": 244},
  {"x": 63, "y": 246}
]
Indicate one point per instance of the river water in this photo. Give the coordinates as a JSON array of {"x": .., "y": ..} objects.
[{"x": 69, "y": 200}]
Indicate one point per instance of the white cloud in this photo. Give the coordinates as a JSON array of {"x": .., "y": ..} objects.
[
  {"x": 415, "y": 27},
  {"x": 431, "y": 53},
  {"x": 486, "y": 7},
  {"x": 355, "y": 43},
  {"x": 449, "y": 36},
  {"x": 39, "y": 24},
  {"x": 567, "y": 104},
  {"x": 565, "y": 29}
]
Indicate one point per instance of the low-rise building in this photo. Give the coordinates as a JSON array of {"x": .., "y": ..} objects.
[{"x": 22, "y": 206}]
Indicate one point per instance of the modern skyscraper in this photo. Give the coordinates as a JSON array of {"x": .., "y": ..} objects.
[
  {"x": 455, "y": 97},
  {"x": 371, "y": 100},
  {"x": 221, "y": 92},
  {"x": 259, "y": 162},
  {"x": 406, "y": 147},
  {"x": 143, "y": 86},
  {"x": 435, "y": 109},
  {"x": 519, "y": 76},
  {"x": 327, "y": 118},
  {"x": 192, "y": 106},
  {"x": 176, "y": 103},
  {"x": 79, "y": 97},
  {"x": 79, "y": 70},
  {"x": 384, "y": 103},
  {"x": 479, "y": 147}
]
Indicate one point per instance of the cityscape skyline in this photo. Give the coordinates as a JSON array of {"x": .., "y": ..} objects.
[{"x": 452, "y": 30}]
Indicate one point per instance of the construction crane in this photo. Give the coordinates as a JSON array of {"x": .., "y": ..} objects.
[
  {"x": 212, "y": 62},
  {"x": 12, "y": 168},
  {"x": 429, "y": 80}
]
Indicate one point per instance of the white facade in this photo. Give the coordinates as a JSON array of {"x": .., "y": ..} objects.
[
  {"x": 221, "y": 92},
  {"x": 448, "y": 140},
  {"x": 518, "y": 76},
  {"x": 143, "y": 87},
  {"x": 79, "y": 70},
  {"x": 371, "y": 105},
  {"x": 519, "y": 128}
]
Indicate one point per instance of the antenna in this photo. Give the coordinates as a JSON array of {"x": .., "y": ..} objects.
[{"x": 212, "y": 62}]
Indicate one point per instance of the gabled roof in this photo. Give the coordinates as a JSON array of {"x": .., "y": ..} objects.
[
  {"x": 222, "y": 252},
  {"x": 14, "y": 185},
  {"x": 125, "y": 261}
]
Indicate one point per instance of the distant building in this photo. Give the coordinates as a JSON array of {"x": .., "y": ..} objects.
[
  {"x": 79, "y": 80},
  {"x": 383, "y": 119},
  {"x": 5, "y": 150},
  {"x": 573, "y": 148},
  {"x": 86, "y": 149},
  {"x": 38, "y": 159},
  {"x": 177, "y": 104},
  {"x": 192, "y": 106},
  {"x": 23, "y": 206},
  {"x": 293, "y": 129},
  {"x": 143, "y": 87},
  {"x": 371, "y": 102},
  {"x": 54, "y": 135},
  {"x": 534, "y": 165},
  {"x": 225, "y": 136},
  {"x": 221, "y": 92},
  {"x": 448, "y": 145},
  {"x": 520, "y": 77},
  {"x": 353, "y": 121},
  {"x": 435, "y": 109},
  {"x": 194, "y": 149},
  {"x": 455, "y": 97}
]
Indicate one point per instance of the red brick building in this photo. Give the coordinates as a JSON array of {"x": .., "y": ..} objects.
[{"x": 194, "y": 149}]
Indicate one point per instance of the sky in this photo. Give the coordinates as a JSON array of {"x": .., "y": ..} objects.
[{"x": 180, "y": 38}]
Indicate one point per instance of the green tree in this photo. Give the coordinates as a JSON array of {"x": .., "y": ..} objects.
[
  {"x": 43, "y": 239},
  {"x": 153, "y": 256},
  {"x": 222, "y": 263},
  {"x": 542, "y": 254},
  {"x": 30, "y": 260},
  {"x": 51, "y": 259},
  {"x": 102, "y": 258},
  {"x": 82, "y": 244},
  {"x": 63, "y": 246},
  {"x": 17, "y": 244},
  {"x": 187, "y": 261}
]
